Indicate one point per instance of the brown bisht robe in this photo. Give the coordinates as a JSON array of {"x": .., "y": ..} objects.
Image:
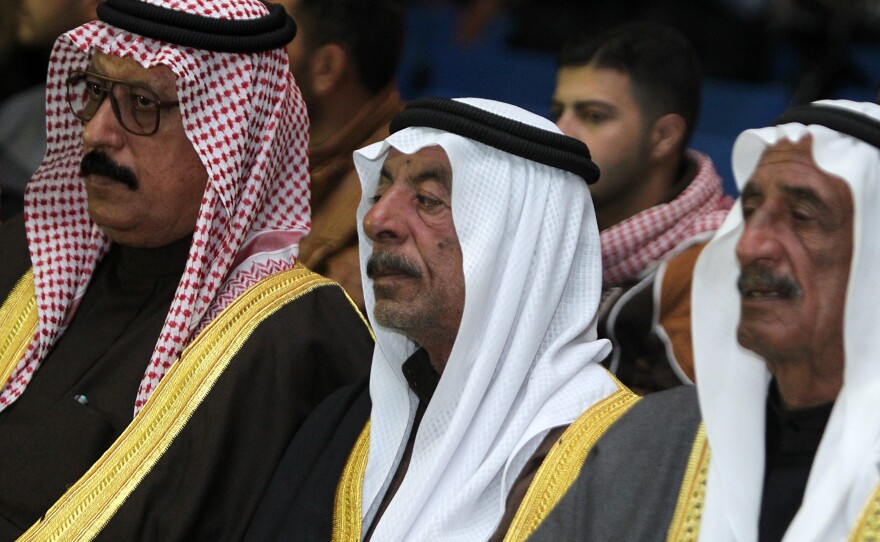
[{"x": 331, "y": 247}]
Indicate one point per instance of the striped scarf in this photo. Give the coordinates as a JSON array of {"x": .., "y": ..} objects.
[{"x": 630, "y": 247}]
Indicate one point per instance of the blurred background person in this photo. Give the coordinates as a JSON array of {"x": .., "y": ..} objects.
[
  {"x": 632, "y": 94},
  {"x": 34, "y": 26},
  {"x": 344, "y": 59}
]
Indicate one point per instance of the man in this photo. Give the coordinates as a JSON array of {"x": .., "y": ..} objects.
[
  {"x": 481, "y": 263},
  {"x": 632, "y": 95},
  {"x": 154, "y": 277},
  {"x": 343, "y": 58},
  {"x": 23, "y": 114},
  {"x": 786, "y": 355}
]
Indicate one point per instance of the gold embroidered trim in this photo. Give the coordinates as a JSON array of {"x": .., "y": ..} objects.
[
  {"x": 18, "y": 323},
  {"x": 555, "y": 475},
  {"x": 347, "y": 505},
  {"x": 867, "y": 528},
  {"x": 85, "y": 508},
  {"x": 563, "y": 463},
  {"x": 685, "y": 526}
]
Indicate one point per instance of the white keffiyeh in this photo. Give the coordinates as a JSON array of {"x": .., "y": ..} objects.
[
  {"x": 733, "y": 382},
  {"x": 526, "y": 356}
]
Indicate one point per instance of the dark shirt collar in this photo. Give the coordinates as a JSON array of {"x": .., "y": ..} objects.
[
  {"x": 796, "y": 431},
  {"x": 792, "y": 438},
  {"x": 420, "y": 375},
  {"x": 167, "y": 261}
]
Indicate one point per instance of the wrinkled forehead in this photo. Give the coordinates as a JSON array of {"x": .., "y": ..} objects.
[
  {"x": 788, "y": 167},
  {"x": 159, "y": 77},
  {"x": 426, "y": 164}
]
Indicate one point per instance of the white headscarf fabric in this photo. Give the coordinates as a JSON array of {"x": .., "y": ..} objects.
[
  {"x": 248, "y": 123},
  {"x": 733, "y": 382},
  {"x": 526, "y": 356}
]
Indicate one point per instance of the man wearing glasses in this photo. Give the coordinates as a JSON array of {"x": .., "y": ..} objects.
[{"x": 159, "y": 342}]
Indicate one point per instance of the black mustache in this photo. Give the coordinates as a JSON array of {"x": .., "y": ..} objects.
[
  {"x": 388, "y": 261},
  {"x": 98, "y": 163},
  {"x": 755, "y": 276}
]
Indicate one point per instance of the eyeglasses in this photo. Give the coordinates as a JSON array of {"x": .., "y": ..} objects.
[{"x": 136, "y": 108}]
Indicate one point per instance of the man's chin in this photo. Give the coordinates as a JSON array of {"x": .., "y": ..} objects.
[
  {"x": 388, "y": 314},
  {"x": 762, "y": 338},
  {"x": 393, "y": 288},
  {"x": 767, "y": 310},
  {"x": 124, "y": 234}
]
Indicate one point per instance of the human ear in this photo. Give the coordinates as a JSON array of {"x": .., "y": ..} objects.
[
  {"x": 667, "y": 135},
  {"x": 328, "y": 66}
]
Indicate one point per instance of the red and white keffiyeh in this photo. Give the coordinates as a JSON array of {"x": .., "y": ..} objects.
[
  {"x": 248, "y": 123},
  {"x": 630, "y": 247}
]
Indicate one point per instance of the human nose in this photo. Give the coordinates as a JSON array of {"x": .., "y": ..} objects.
[
  {"x": 566, "y": 123},
  {"x": 760, "y": 240},
  {"x": 385, "y": 221},
  {"x": 103, "y": 129}
]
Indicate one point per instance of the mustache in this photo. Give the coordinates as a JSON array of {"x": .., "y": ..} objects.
[
  {"x": 756, "y": 276},
  {"x": 381, "y": 262},
  {"x": 98, "y": 163}
]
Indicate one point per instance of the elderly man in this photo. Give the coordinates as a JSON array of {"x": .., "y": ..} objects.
[
  {"x": 632, "y": 94},
  {"x": 786, "y": 348},
  {"x": 37, "y": 24},
  {"x": 159, "y": 344},
  {"x": 481, "y": 263}
]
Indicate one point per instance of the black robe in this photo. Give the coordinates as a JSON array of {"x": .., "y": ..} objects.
[
  {"x": 206, "y": 484},
  {"x": 299, "y": 503}
]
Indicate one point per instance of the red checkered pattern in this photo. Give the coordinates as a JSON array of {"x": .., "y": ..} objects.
[
  {"x": 630, "y": 247},
  {"x": 248, "y": 123}
]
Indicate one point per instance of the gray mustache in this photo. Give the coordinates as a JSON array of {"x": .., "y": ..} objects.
[
  {"x": 388, "y": 261},
  {"x": 755, "y": 276}
]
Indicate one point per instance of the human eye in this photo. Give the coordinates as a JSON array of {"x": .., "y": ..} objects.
[
  {"x": 750, "y": 198},
  {"x": 802, "y": 214},
  {"x": 142, "y": 101},
  {"x": 428, "y": 202},
  {"x": 593, "y": 116},
  {"x": 95, "y": 89},
  {"x": 432, "y": 197},
  {"x": 556, "y": 111},
  {"x": 377, "y": 195}
]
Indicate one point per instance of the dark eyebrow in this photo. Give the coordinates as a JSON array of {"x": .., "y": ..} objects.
[
  {"x": 136, "y": 83},
  {"x": 583, "y": 104},
  {"x": 750, "y": 190},
  {"x": 439, "y": 173},
  {"x": 808, "y": 195},
  {"x": 384, "y": 174}
]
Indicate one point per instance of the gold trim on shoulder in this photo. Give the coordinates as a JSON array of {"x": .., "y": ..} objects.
[
  {"x": 867, "y": 528},
  {"x": 685, "y": 526},
  {"x": 563, "y": 463},
  {"x": 555, "y": 475},
  {"x": 88, "y": 506},
  {"x": 347, "y": 506},
  {"x": 18, "y": 323}
]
